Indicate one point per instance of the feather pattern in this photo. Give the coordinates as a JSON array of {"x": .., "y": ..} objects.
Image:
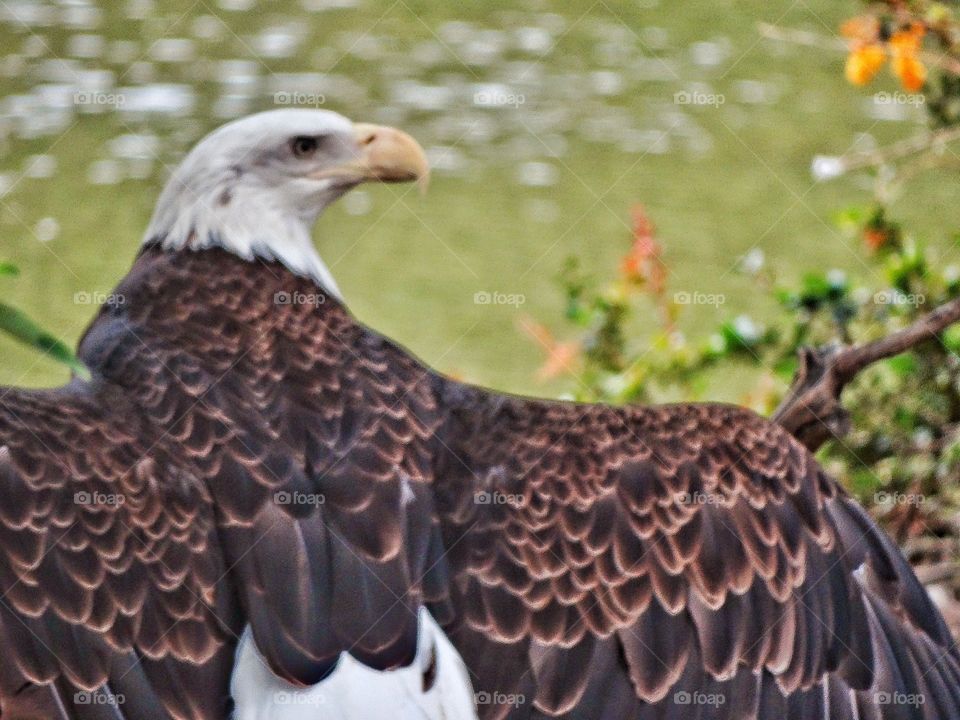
[{"x": 241, "y": 460}]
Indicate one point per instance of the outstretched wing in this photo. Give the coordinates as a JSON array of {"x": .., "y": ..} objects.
[
  {"x": 692, "y": 559},
  {"x": 111, "y": 602}
]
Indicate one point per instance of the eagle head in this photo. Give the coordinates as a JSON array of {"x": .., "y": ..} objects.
[{"x": 256, "y": 186}]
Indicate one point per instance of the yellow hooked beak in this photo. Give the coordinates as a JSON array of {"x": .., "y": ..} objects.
[{"x": 386, "y": 155}]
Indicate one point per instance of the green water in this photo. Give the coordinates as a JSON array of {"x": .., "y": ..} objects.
[{"x": 545, "y": 122}]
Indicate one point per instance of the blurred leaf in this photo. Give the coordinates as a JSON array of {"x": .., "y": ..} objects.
[
  {"x": 815, "y": 285},
  {"x": 17, "y": 325},
  {"x": 903, "y": 365},
  {"x": 904, "y": 418},
  {"x": 8, "y": 269},
  {"x": 951, "y": 338},
  {"x": 850, "y": 219},
  {"x": 864, "y": 484},
  {"x": 786, "y": 367}
]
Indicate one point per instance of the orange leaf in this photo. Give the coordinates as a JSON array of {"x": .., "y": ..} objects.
[
  {"x": 562, "y": 357},
  {"x": 643, "y": 264},
  {"x": 908, "y": 40},
  {"x": 863, "y": 63},
  {"x": 912, "y": 73},
  {"x": 632, "y": 267},
  {"x": 875, "y": 239}
]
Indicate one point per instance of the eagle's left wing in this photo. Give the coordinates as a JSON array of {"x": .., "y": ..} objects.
[{"x": 606, "y": 561}]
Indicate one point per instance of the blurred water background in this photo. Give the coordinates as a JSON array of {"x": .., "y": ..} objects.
[{"x": 544, "y": 121}]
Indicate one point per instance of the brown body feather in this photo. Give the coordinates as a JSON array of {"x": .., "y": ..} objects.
[{"x": 242, "y": 457}]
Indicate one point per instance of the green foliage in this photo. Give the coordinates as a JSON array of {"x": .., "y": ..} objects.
[
  {"x": 905, "y": 411},
  {"x": 17, "y": 325}
]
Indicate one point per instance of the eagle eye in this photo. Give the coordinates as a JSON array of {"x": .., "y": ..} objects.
[{"x": 304, "y": 146}]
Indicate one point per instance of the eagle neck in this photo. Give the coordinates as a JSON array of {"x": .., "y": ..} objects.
[{"x": 290, "y": 246}]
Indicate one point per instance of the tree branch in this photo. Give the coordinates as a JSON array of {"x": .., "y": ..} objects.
[
  {"x": 811, "y": 410},
  {"x": 897, "y": 151},
  {"x": 840, "y": 45}
]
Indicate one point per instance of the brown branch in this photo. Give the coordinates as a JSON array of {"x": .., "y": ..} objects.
[
  {"x": 837, "y": 44},
  {"x": 907, "y": 147},
  {"x": 811, "y": 410}
]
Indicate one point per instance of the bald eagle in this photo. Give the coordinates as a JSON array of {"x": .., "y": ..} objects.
[{"x": 258, "y": 508}]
